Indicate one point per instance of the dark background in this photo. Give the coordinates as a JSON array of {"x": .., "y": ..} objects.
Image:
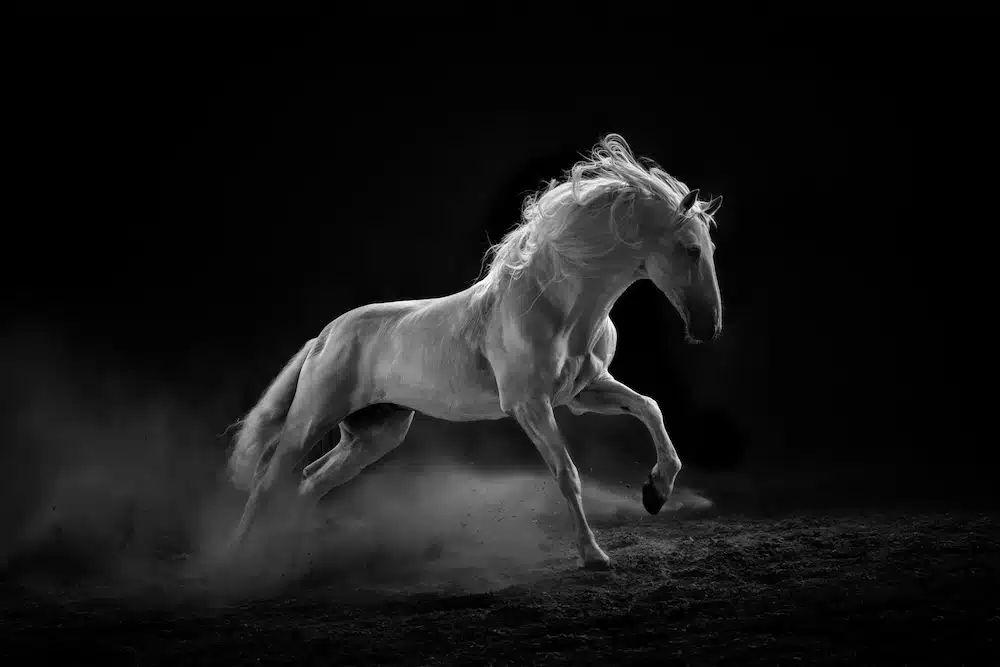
[{"x": 192, "y": 200}]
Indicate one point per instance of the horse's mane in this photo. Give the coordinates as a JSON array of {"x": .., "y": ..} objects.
[{"x": 553, "y": 227}]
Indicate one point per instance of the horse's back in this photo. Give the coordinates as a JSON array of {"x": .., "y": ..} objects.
[
  {"x": 424, "y": 354},
  {"x": 363, "y": 324}
]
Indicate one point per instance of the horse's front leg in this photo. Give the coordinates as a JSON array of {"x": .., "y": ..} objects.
[
  {"x": 536, "y": 418},
  {"x": 607, "y": 396}
]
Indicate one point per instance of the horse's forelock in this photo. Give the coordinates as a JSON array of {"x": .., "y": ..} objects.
[{"x": 612, "y": 158}]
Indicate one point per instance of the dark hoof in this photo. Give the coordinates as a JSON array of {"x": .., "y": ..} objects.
[
  {"x": 596, "y": 564},
  {"x": 652, "y": 499}
]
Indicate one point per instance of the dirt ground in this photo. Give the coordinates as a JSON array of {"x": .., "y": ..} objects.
[{"x": 702, "y": 585}]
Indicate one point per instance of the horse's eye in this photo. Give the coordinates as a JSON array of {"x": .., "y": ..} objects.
[{"x": 694, "y": 252}]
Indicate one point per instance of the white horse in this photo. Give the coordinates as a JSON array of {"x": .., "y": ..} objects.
[{"x": 532, "y": 335}]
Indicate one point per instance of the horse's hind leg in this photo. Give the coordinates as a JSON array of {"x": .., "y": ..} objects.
[
  {"x": 312, "y": 414},
  {"x": 365, "y": 437},
  {"x": 273, "y": 479}
]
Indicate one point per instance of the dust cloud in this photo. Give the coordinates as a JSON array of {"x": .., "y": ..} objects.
[{"x": 112, "y": 484}]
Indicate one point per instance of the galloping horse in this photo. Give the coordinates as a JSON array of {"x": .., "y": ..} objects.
[{"x": 532, "y": 335}]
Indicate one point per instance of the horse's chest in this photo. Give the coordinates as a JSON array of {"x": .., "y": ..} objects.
[{"x": 558, "y": 368}]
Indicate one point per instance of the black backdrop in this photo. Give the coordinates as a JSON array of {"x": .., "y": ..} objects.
[{"x": 192, "y": 200}]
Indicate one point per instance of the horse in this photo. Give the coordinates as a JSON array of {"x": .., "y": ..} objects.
[{"x": 534, "y": 333}]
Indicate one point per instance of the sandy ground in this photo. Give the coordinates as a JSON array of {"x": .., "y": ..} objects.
[{"x": 482, "y": 570}]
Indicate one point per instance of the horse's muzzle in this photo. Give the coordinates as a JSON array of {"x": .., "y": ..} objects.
[{"x": 704, "y": 331}]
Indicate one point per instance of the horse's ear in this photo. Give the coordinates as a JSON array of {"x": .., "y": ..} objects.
[
  {"x": 688, "y": 201},
  {"x": 714, "y": 206}
]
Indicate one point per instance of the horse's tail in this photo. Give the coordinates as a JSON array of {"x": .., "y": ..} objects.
[{"x": 260, "y": 428}]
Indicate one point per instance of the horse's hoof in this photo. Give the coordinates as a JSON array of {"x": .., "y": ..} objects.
[
  {"x": 652, "y": 499},
  {"x": 594, "y": 558},
  {"x": 597, "y": 564}
]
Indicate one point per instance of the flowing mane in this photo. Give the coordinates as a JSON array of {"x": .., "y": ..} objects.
[{"x": 553, "y": 229}]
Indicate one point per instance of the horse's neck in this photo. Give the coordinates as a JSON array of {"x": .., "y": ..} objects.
[
  {"x": 595, "y": 299},
  {"x": 576, "y": 305}
]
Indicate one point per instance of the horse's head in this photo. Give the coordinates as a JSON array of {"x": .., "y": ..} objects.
[{"x": 678, "y": 255}]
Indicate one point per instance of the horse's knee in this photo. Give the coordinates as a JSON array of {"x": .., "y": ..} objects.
[{"x": 651, "y": 407}]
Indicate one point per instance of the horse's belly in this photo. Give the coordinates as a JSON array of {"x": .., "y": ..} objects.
[
  {"x": 448, "y": 405},
  {"x": 455, "y": 390}
]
